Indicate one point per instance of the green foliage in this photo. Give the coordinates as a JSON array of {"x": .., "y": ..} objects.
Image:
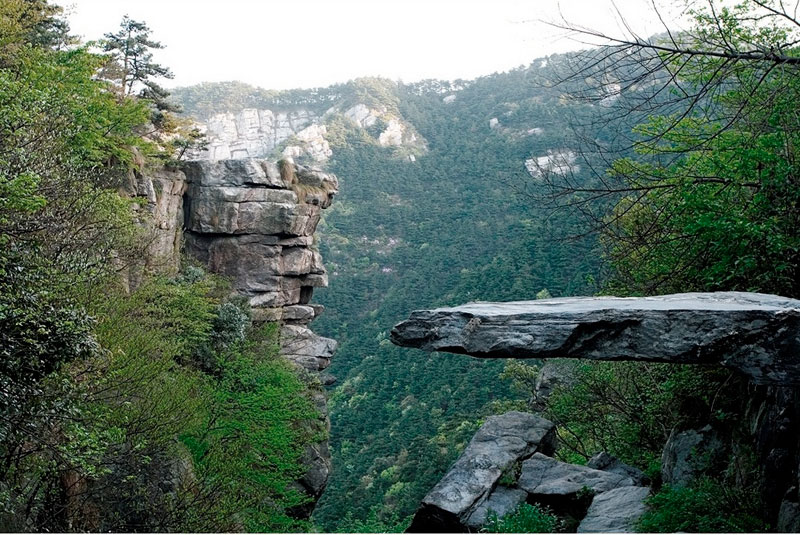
[
  {"x": 65, "y": 139},
  {"x": 29, "y": 22},
  {"x": 242, "y": 414},
  {"x": 372, "y": 524},
  {"x": 526, "y": 519},
  {"x": 706, "y": 506},
  {"x": 718, "y": 186},
  {"x": 99, "y": 382},
  {"x": 248, "y": 449},
  {"x": 131, "y": 62},
  {"x": 629, "y": 409},
  {"x": 41, "y": 334}
]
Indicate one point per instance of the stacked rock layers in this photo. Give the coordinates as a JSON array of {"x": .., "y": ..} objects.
[{"x": 253, "y": 222}]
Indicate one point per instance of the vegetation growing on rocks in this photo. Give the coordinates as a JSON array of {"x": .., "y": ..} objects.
[
  {"x": 147, "y": 407},
  {"x": 158, "y": 406}
]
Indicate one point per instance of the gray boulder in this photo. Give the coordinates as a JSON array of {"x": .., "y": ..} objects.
[
  {"x": 756, "y": 334},
  {"x": 543, "y": 476},
  {"x": 500, "y": 442},
  {"x": 502, "y": 501},
  {"x": 615, "y": 511},
  {"x": 305, "y": 348},
  {"x": 609, "y": 463},
  {"x": 688, "y": 453}
]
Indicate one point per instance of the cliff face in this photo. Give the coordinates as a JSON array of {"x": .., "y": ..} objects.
[
  {"x": 754, "y": 334},
  {"x": 300, "y": 133},
  {"x": 253, "y": 223},
  {"x": 159, "y": 193}
]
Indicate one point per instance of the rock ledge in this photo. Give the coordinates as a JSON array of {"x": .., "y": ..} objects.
[{"x": 756, "y": 334}]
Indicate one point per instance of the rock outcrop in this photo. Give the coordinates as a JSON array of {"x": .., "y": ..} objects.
[
  {"x": 253, "y": 133},
  {"x": 253, "y": 222},
  {"x": 298, "y": 133},
  {"x": 159, "y": 210},
  {"x": 545, "y": 477},
  {"x": 609, "y": 463},
  {"x": 456, "y": 501},
  {"x": 514, "y": 448},
  {"x": 755, "y": 334}
]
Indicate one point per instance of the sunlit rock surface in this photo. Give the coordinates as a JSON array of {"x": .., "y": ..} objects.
[{"x": 756, "y": 334}]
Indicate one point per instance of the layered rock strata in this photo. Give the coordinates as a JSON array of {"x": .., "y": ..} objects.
[
  {"x": 755, "y": 334},
  {"x": 253, "y": 221},
  {"x": 159, "y": 210}
]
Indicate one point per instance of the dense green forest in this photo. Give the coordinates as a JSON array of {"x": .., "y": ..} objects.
[
  {"x": 448, "y": 228},
  {"x": 150, "y": 402},
  {"x": 146, "y": 406},
  {"x": 667, "y": 180},
  {"x": 462, "y": 222}
]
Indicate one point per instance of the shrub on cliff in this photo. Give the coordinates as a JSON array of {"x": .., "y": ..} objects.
[
  {"x": 526, "y": 519},
  {"x": 706, "y": 506},
  {"x": 247, "y": 450}
]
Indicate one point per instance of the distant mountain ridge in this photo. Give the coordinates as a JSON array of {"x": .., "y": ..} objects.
[{"x": 252, "y": 123}]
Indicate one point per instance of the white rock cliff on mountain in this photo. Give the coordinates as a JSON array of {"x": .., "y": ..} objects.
[{"x": 300, "y": 133}]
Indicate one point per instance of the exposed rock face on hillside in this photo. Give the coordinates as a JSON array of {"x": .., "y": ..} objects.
[
  {"x": 160, "y": 211},
  {"x": 299, "y": 133},
  {"x": 254, "y": 223},
  {"x": 756, "y": 334},
  {"x": 253, "y": 133}
]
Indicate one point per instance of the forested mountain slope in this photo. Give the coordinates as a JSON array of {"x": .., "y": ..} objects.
[{"x": 444, "y": 227}]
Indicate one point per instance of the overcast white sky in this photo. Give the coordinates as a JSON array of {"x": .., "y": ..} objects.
[{"x": 281, "y": 44}]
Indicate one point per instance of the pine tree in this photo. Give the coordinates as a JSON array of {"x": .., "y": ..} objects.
[{"x": 131, "y": 66}]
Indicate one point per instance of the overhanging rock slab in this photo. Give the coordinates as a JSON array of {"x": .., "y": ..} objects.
[{"x": 756, "y": 334}]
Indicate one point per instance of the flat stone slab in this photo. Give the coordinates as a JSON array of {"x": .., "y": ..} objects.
[
  {"x": 615, "y": 511},
  {"x": 545, "y": 476},
  {"x": 756, "y": 334}
]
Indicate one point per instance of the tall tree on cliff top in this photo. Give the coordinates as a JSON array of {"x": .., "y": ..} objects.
[{"x": 131, "y": 66}]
